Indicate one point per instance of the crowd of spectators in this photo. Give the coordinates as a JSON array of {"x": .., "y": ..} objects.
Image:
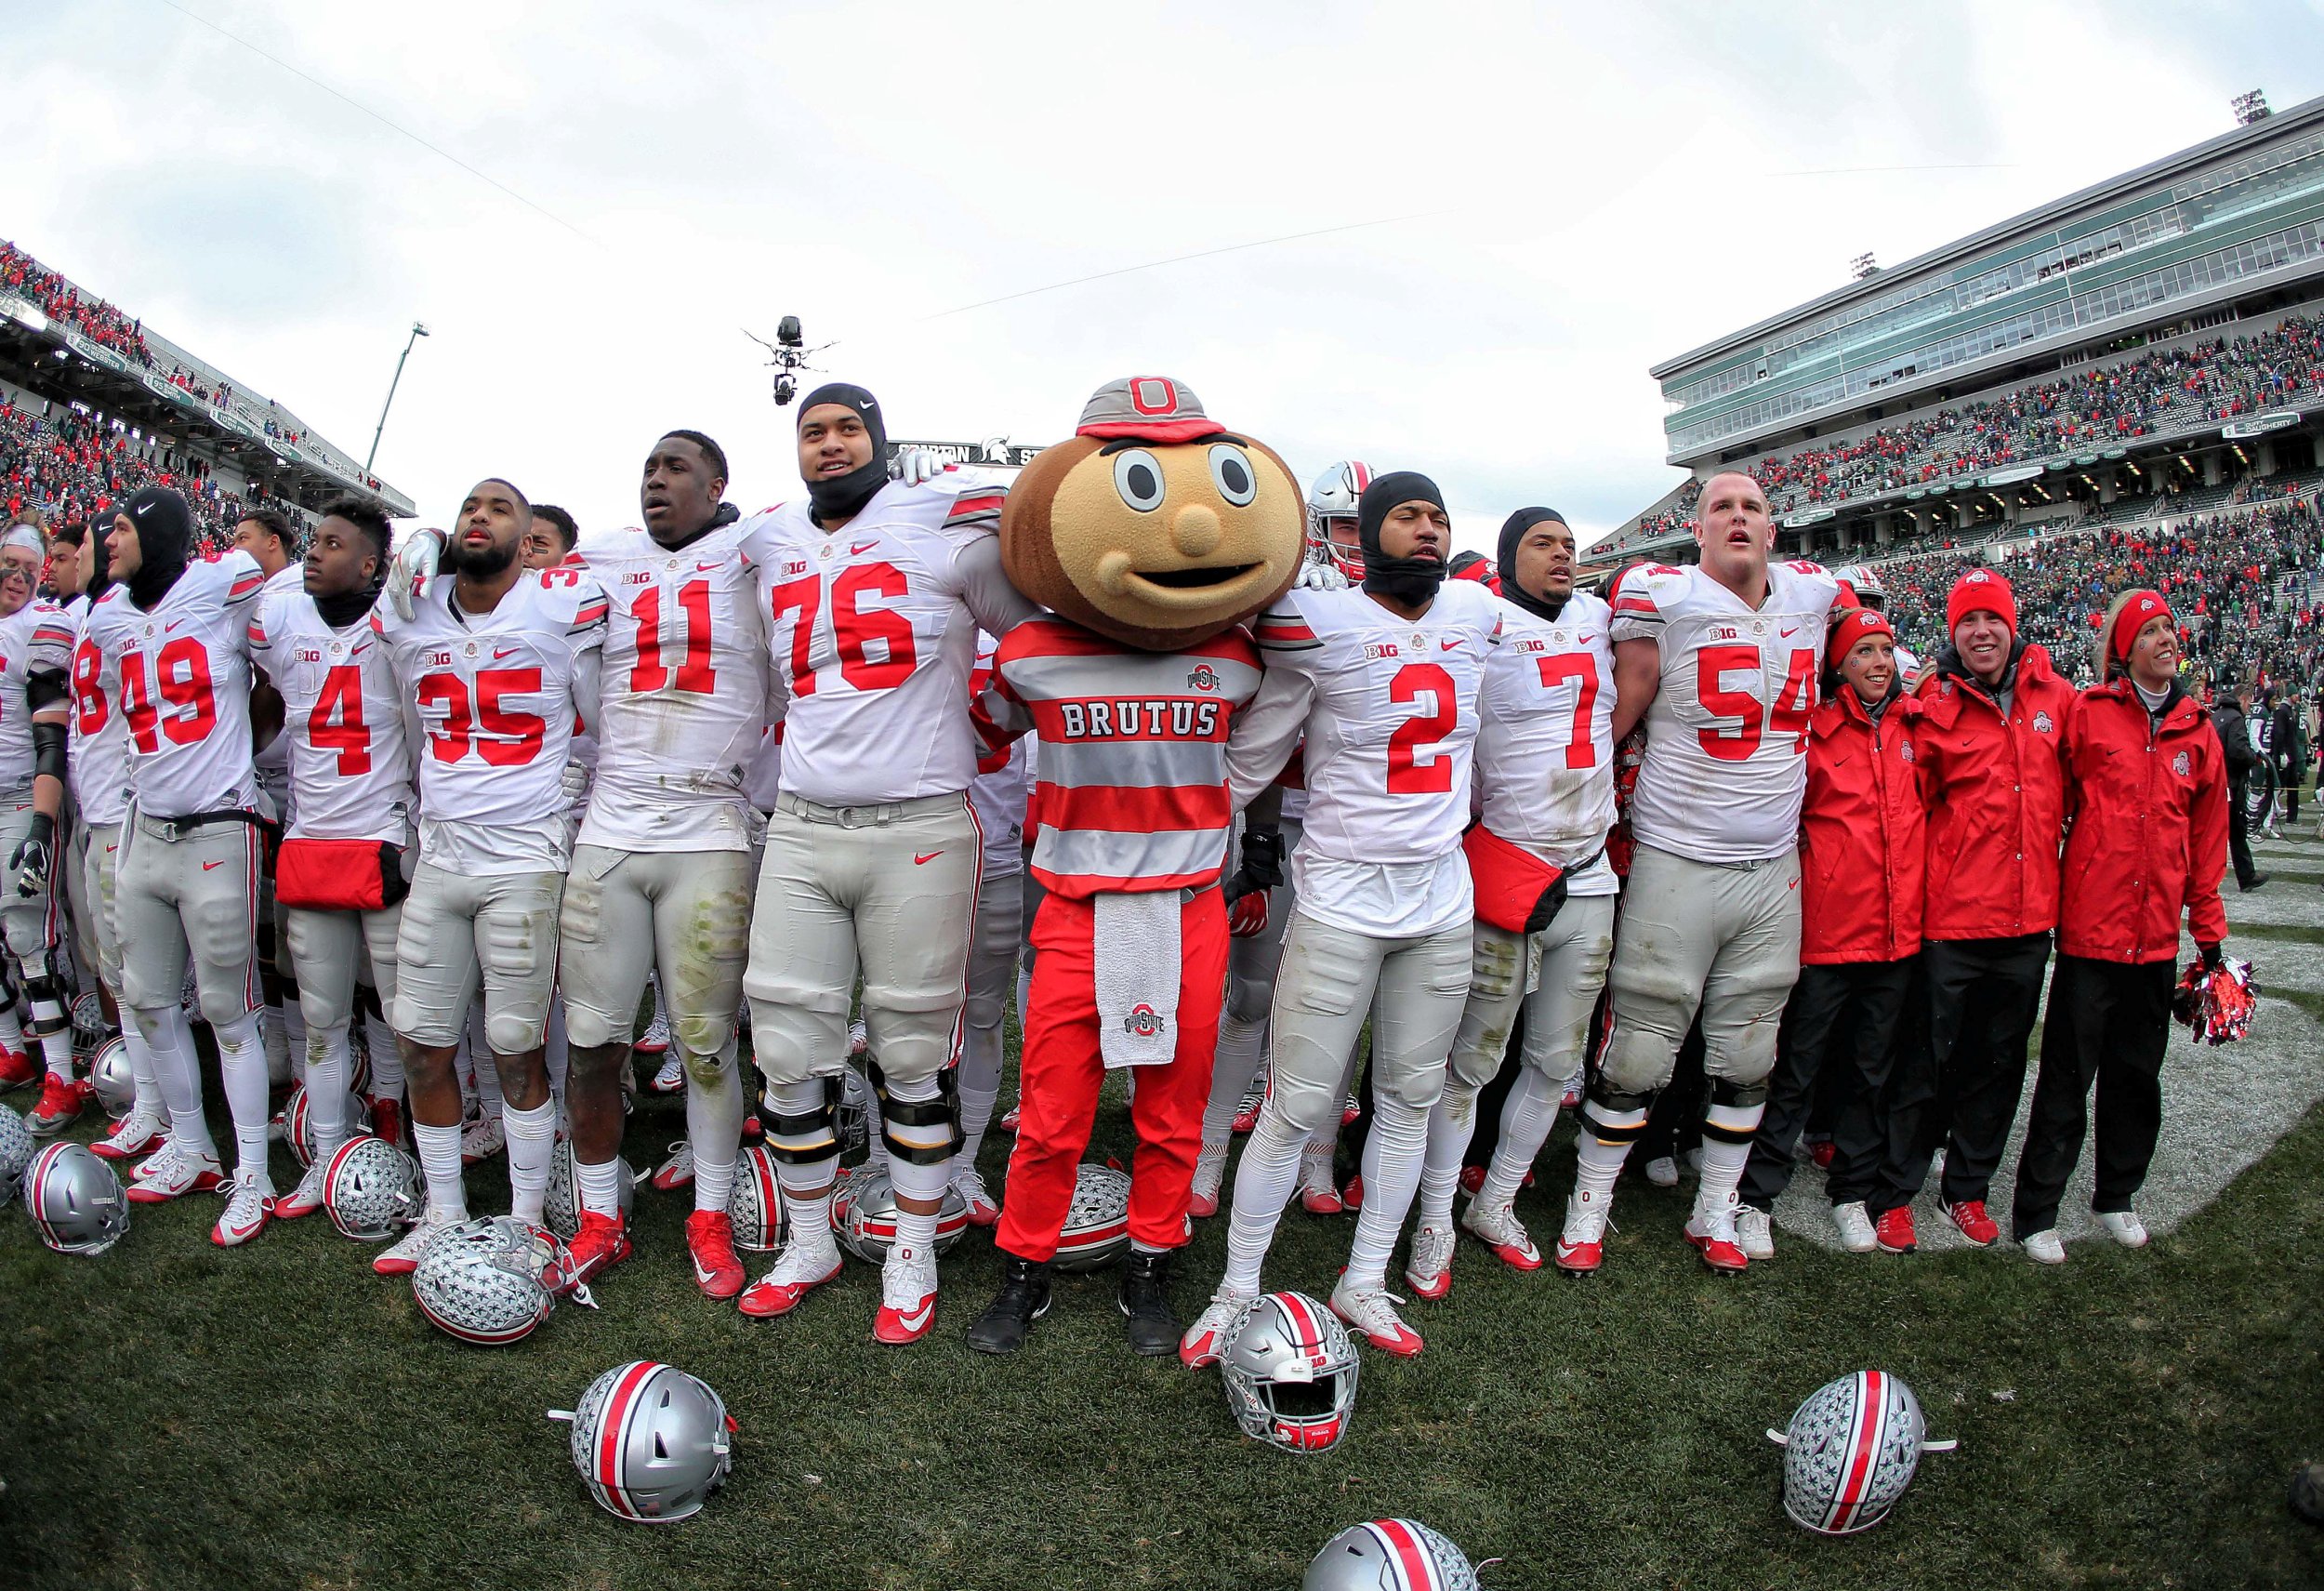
[
  {"x": 61, "y": 301},
  {"x": 2244, "y": 582},
  {"x": 69, "y": 468}
]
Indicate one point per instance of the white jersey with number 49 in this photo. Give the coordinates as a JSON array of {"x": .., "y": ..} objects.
[
  {"x": 1726, "y": 738},
  {"x": 185, "y": 688},
  {"x": 682, "y": 694},
  {"x": 1545, "y": 746},
  {"x": 351, "y": 766}
]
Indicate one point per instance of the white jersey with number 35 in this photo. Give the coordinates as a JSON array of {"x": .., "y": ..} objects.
[
  {"x": 1726, "y": 738},
  {"x": 683, "y": 692},
  {"x": 185, "y": 688},
  {"x": 350, "y": 767},
  {"x": 1545, "y": 748}
]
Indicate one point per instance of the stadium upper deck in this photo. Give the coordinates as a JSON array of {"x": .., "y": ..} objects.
[
  {"x": 2149, "y": 333},
  {"x": 63, "y": 344}
]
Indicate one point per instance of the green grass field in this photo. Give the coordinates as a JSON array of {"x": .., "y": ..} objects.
[{"x": 179, "y": 1416}]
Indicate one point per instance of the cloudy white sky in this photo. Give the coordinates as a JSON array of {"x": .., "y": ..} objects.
[{"x": 1527, "y": 205}]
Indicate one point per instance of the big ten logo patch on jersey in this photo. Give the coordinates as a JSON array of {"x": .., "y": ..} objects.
[
  {"x": 309, "y": 655},
  {"x": 1202, "y": 677},
  {"x": 1130, "y": 719},
  {"x": 437, "y": 657},
  {"x": 1531, "y": 644},
  {"x": 794, "y": 566},
  {"x": 638, "y": 577},
  {"x": 1377, "y": 649},
  {"x": 1723, "y": 632},
  {"x": 1144, "y": 1020}
]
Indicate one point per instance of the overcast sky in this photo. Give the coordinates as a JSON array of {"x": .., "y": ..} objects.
[{"x": 1527, "y": 207}]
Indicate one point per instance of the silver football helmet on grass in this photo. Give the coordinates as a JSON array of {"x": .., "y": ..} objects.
[
  {"x": 109, "y": 1075},
  {"x": 863, "y": 1214},
  {"x": 755, "y": 1207},
  {"x": 298, "y": 1128},
  {"x": 651, "y": 1441},
  {"x": 1851, "y": 1450},
  {"x": 1390, "y": 1554},
  {"x": 1290, "y": 1373},
  {"x": 88, "y": 1024},
  {"x": 17, "y": 1149},
  {"x": 495, "y": 1280},
  {"x": 74, "y": 1200},
  {"x": 372, "y": 1190},
  {"x": 1096, "y": 1224},
  {"x": 561, "y": 1208}
]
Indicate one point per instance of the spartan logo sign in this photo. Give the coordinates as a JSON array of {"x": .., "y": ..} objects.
[
  {"x": 1202, "y": 677},
  {"x": 1143, "y": 1020}
]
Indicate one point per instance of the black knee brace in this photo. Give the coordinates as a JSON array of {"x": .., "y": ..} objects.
[
  {"x": 1599, "y": 1102},
  {"x": 921, "y": 1115},
  {"x": 1734, "y": 1096},
  {"x": 44, "y": 993},
  {"x": 803, "y": 1138}
]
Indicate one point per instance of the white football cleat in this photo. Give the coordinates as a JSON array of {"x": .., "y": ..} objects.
[
  {"x": 908, "y": 1296},
  {"x": 655, "y": 1041},
  {"x": 306, "y": 1198},
  {"x": 671, "y": 1077},
  {"x": 677, "y": 1171},
  {"x": 402, "y": 1258},
  {"x": 1855, "y": 1222},
  {"x": 481, "y": 1139},
  {"x": 2123, "y": 1227},
  {"x": 1429, "y": 1267},
  {"x": 801, "y": 1266},
  {"x": 1371, "y": 1313},
  {"x": 1318, "y": 1194},
  {"x": 173, "y": 1172},
  {"x": 248, "y": 1208},
  {"x": 1663, "y": 1171},
  {"x": 1202, "y": 1198},
  {"x": 1754, "y": 1233},
  {"x": 2046, "y": 1248},
  {"x": 969, "y": 1185},
  {"x": 1494, "y": 1223},
  {"x": 1200, "y": 1345}
]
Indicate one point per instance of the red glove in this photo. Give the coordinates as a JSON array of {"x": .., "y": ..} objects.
[{"x": 1246, "y": 918}]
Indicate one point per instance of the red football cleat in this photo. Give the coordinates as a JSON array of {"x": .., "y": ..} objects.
[
  {"x": 1352, "y": 1195},
  {"x": 1892, "y": 1231},
  {"x": 710, "y": 1239},
  {"x": 17, "y": 1068},
  {"x": 601, "y": 1244},
  {"x": 1969, "y": 1218},
  {"x": 1822, "y": 1153},
  {"x": 61, "y": 1102}
]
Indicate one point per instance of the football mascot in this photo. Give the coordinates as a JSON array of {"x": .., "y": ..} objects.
[{"x": 1151, "y": 534}]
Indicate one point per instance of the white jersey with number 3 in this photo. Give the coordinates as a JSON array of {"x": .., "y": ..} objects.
[
  {"x": 351, "y": 766},
  {"x": 1726, "y": 738},
  {"x": 683, "y": 692},
  {"x": 185, "y": 688},
  {"x": 1545, "y": 747}
]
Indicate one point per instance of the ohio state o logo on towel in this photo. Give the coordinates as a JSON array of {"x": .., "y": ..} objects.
[{"x": 1143, "y": 1020}]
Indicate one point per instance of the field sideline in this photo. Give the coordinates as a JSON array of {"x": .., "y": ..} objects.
[{"x": 182, "y": 1417}]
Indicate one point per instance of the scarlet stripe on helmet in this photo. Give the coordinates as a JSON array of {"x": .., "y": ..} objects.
[
  {"x": 34, "y": 1200},
  {"x": 1362, "y": 472},
  {"x": 613, "y": 1433},
  {"x": 1302, "y": 1320},
  {"x": 770, "y": 1190},
  {"x": 1415, "y": 1565},
  {"x": 1864, "y": 1446}
]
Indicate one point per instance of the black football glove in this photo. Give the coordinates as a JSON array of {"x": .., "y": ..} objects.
[
  {"x": 35, "y": 856},
  {"x": 1262, "y": 864}
]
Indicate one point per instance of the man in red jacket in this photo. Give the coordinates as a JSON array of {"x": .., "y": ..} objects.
[
  {"x": 1991, "y": 745},
  {"x": 2146, "y": 788}
]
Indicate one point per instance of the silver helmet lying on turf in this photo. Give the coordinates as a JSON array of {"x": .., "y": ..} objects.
[
  {"x": 1851, "y": 1450},
  {"x": 17, "y": 1149},
  {"x": 372, "y": 1190},
  {"x": 651, "y": 1441},
  {"x": 1290, "y": 1373},
  {"x": 560, "y": 1207},
  {"x": 110, "y": 1077},
  {"x": 863, "y": 1214},
  {"x": 88, "y": 1024},
  {"x": 298, "y": 1128},
  {"x": 494, "y": 1279},
  {"x": 1096, "y": 1224},
  {"x": 1390, "y": 1554},
  {"x": 74, "y": 1200},
  {"x": 755, "y": 1207}
]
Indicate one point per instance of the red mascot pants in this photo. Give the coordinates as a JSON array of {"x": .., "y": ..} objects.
[{"x": 1061, "y": 1071}]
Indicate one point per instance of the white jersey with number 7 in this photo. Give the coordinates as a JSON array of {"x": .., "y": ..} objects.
[{"x": 1726, "y": 738}]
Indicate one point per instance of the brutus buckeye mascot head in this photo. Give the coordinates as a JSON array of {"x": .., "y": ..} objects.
[{"x": 1152, "y": 525}]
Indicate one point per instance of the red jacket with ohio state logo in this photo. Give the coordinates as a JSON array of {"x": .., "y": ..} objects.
[
  {"x": 1995, "y": 783},
  {"x": 1863, "y": 833},
  {"x": 2148, "y": 801}
]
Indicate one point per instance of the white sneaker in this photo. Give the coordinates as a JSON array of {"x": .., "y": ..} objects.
[
  {"x": 677, "y": 1171},
  {"x": 969, "y": 1183},
  {"x": 249, "y": 1206},
  {"x": 671, "y": 1077},
  {"x": 306, "y": 1198},
  {"x": 2043, "y": 1248},
  {"x": 1663, "y": 1171},
  {"x": 483, "y": 1139},
  {"x": 1581, "y": 1246},
  {"x": 158, "y": 1163},
  {"x": 907, "y": 1294},
  {"x": 175, "y": 1172},
  {"x": 1318, "y": 1194},
  {"x": 656, "y": 1038},
  {"x": 1754, "y": 1231},
  {"x": 402, "y": 1258},
  {"x": 1428, "y": 1267},
  {"x": 1202, "y": 1199},
  {"x": 1200, "y": 1345},
  {"x": 1371, "y": 1313},
  {"x": 1494, "y": 1223},
  {"x": 1856, "y": 1228},
  {"x": 2123, "y": 1227},
  {"x": 1350, "y": 1110}
]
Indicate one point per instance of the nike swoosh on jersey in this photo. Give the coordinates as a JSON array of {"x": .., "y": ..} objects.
[
  {"x": 700, "y": 567},
  {"x": 1789, "y": 633},
  {"x": 1448, "y": 645},
  {"x": 219, "y": 863},
  {"x": 500, "y": 652},
  {"x": 920, "y": 861},
  {"x": 857, "y": 549}
]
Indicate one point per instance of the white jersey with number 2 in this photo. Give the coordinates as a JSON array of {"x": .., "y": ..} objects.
[{"x": 1726, "y": 738}]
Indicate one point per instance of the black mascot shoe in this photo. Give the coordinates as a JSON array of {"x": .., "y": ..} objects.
[
  {"x": 1145, "y": 1298},
  {"x": 1023, "y": 1299}
]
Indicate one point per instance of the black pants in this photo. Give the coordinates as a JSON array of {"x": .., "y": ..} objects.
[
  {"x": 2109, "y": 1021},
  {"x": 1838, "y": 1039},
  {"x": 2288, "y": 781},
  {"x": 2239, "y": 834},
  {"x": 1962, "y": 1089},
  {"x": 1674, "y": 1123}
]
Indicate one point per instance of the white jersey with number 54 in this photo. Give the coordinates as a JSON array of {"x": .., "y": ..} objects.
[{"x": 1726, "y": 738}]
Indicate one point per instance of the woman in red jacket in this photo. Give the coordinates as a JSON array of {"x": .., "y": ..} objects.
[
  {"x": 2146, "y": 790},
  {"x": 1862, "y": 853}
]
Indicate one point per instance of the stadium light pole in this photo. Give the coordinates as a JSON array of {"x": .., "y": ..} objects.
[{"x": 419, "y": 331}]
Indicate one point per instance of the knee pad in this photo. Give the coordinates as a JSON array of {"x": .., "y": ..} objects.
[
  {"x": 921, "y": 1132},
  {"x": 45, "y": 993},
  {"x": 1735, "y": 1109},
  {"x": 1613, "y": 1115},
  {"x": 586, "y": 1028},
  {"x": 511, "y": 1034},
  {"x": 800, "y": 1128}
]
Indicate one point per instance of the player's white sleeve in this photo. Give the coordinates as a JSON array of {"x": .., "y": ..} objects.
[
  {"x": 1265, "y": 732},
  {"x": 1637, "y": 616},
  {"x": 997, "y": 606}
]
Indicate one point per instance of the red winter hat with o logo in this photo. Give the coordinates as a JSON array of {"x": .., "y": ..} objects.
[
  {"x": 1852, "y": 627},
  {"x": 1150, "y": 408},
  {"x": 1980, "y": 590},
  {"x": 2138, "y": 609}
]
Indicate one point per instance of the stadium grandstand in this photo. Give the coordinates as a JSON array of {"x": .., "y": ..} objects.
[
  {"x": 2145, "y": 355},
  {"x": 95, "y": 404}
]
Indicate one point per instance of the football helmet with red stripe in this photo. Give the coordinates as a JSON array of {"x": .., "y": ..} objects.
[
  {"x": 1390, "y": 1554},
  {"x": 1290, "y": 1373},
  {"x": 755, "y": 1206},
  {"x": 109, "y": 1075},
  {"x": 560, "y": 1206},
  {"x": 492, "y": 1279},
  {"x": 864, "y": 1215},
  {"x": 1096, "y": 1224},
  {"x": 1851, "y": 1450},
  {"x": 372, "y": 1190},
  {"x": 74, "y": 1200},
  {"x": 298, "y": 1128},
  {"x": 651, "y": 1441},
  {"x": 1331, "y": 503}
]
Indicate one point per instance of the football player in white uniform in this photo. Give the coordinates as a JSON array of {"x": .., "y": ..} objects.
[
  {"x": 187, "y": 876},
  {"x": 1545, "y": 771},
  {"x": 1383, "y": 681},
  {"x": 875, "y": 591},
  {"x": 339, "y": 875},
  {"x": 267, "y": 536},
  {"x": 35, "y": 656},
  {"x": 498, "y": 661},
  {"x": 1722, "y": 657},
  {"x": 998, "y": 795},
  {"x": 661, "y": 876}
]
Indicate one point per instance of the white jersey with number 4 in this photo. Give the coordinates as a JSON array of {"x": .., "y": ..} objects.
[
  {"x": 496, "y": 694},
  {"x": 682, "y": 695},
  {"x": 185, "y": 688},
  {"x": 1545, "y": 743},
  {"x": 872, "y": 628},
  {"x": 1726, "y": 738},
  {"x": 1388, "y": 709},
  {"x": 349, "y": 763}
]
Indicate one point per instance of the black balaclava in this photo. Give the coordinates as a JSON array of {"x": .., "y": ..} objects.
[
  {"x": 844, "y": 497},
  {"x": 346, "y": 608},
  {"x": 1513, "y": 530},
  {"x": 1411, "y": 581},
  {"x": 165, "y": 528}
]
